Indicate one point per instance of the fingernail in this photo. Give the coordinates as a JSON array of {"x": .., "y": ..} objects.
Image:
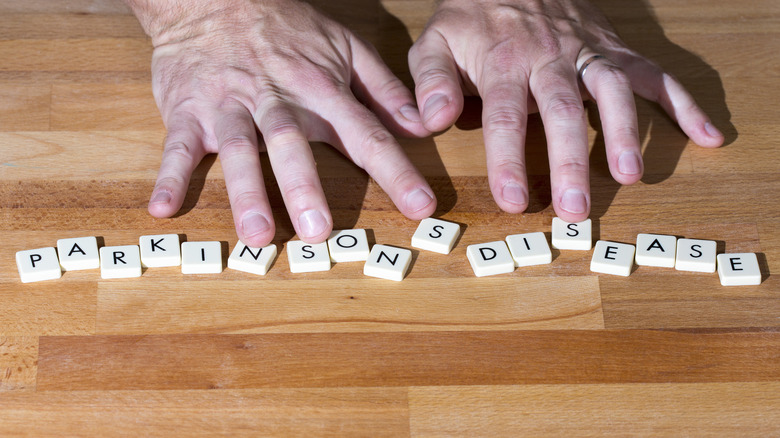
[
  {"x": 410, "y": 113},
  {"x": 433, "y": 105},
  {"x": 712, "y": 130},
  {"x": 161, "y": 197},
  {"x": 574, "y": 201},
  {"x": 628, "y": 164},
  {"x": 312, "y": 223},
  {"x": 417, "y": 200},
  {"x": 514, "y": 193},
  {"x": 253, "y": 224}
]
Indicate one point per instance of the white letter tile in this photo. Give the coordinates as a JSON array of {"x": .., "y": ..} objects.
[
  {"x": 253, "y": 260},
  {"x": 388, "y": 262},
  {"x": 201, "y": 257},
  {"x": 120, "y": 261},
  {"x": 612, "y": 258},
  {"x": 78, "y": 253},
  {"x": 529, "y": 249},
  {"x": 348, "y": 246},
  {"x": 696, "y": 255},
  {"x": 436, "y": 235},
  {"x": 490, "y": 258},
  {"x": 160, "y": 250},
  {"x": 308, "y": 257},
  {"x": 38, "y": 265},
  {"x": 657, "y": 250},
  {"x": 576, "y": 236},
  {"x": 739, "y": 269}
]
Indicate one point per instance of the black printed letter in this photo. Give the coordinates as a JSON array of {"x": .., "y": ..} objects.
[
  {"x": 438, "y": 232},
  {"x": 484, "y": 257},
  {"x": 696, "y": 248},
  {"x": 354, "y": 241},
  {"x": 307, "y": 248},
  {"x": 255, "y": 256},
  {"x": 576, "y": 232},
  {"x": 76, "y": 248},
  {"x": 392, "y": 261},
  {"x": 157, "y": 244},
  {"x": 734, "y": 262},
  {"x": 118, "y": 256},
  {"x": 35, "y": 258},
  {"x": 610, "y": 250},
  {"x": 656, "y": 244}
]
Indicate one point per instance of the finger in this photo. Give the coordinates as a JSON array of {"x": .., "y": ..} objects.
[
  {"x": 383, "y": 93},
  {"x": 369, "y": 145},
  {"x": 182, "y": 152},
  {"x": 296, "y": 172},
  {"x": 437, "y": 81},
  {"x": 652, "y": 83},
  {"x": 238, "y": 153},
  {"x": 556, "y": 91},
  {"x": 504, "y": 121},
  {"x": 611, "y": 89}
]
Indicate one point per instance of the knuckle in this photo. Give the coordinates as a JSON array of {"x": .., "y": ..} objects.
[
  {"x": 246, "y": 198},
  {"x": 508, "y": 120},
  {"x": 572, "y": 166},
  {"x": 237, "y": 144},
  {"x": 566, "y": 108},
  {"x": 170, "y": 182},
  {"x": 431, "y": 78},
  {"x": 613, "y": 75},
  {"x": 375, "y": 145},
  {"x": 300, "y": 188},
  {"x": 178, "y": 150}
]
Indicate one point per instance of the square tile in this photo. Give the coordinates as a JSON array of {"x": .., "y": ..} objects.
[
  {"x": 529, "y": 249},
  {"x": 307, "y": 257},
  {"x": 696, "y": 255},
  {"x": 201, "y": 257},
  {"x": 159, "y": 251},
  {"x": 120, "y": 261},
  {"x": 253, "y": 260},
  {"x": 574, "y": 236},
  {"x": 436, "y": 235},
  {"x": 612, "y": 258},
  {"x": 348, "y": 246},
  {"x": 388, "y": 262},
  {"x": 739, "y": 269},
  {"x": 657, "y": 250},
  {"x": 490, "y": 258},
  {"x": 78, "y": 253},
  {"x": 38, "y": 265}
]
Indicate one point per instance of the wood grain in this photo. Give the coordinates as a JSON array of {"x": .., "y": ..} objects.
[
  {"x": 405, "y": 359},
  {"x": 550, "y": 350}
]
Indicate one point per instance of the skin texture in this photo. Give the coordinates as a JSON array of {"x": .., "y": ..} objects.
[
  {"x": 224, "y": 71},
  {"x": 521, "y": 56}
]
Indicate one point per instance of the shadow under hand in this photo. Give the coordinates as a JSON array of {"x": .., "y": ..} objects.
[
  {"x": 390, "y": 36},
  {"x": 663, "y": 141}
]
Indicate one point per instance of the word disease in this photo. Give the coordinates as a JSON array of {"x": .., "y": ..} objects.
[{"x": 390, "y": 262}]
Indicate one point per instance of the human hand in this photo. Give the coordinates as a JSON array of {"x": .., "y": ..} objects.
[
  {"x": 222, "y": 70},
  {"x": 524, "y": 55}
]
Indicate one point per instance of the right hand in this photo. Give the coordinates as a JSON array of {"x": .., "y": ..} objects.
[{"x": 222, "y": 70}]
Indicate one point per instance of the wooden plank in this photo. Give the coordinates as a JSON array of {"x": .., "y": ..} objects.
[
  {"x": 24, "y": 108},
  {"x": 96, "y": 107},
  {"x": 336, "y": 305},
  {"x": 61, "y": 26},
  {"x": 405, "y": 359},
  {"x": 18, "y": 363},
  {"x": 707, "y": 409},
  {"x": 85, "y": 54},
  {"x": 337, "y": 412},
  {"x": 49, "y": 308}
]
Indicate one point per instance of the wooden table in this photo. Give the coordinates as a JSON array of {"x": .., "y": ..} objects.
[{"x": 547, "y": 350}]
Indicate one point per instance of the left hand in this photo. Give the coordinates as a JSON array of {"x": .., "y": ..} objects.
[{"x": 520, "y": 55}]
